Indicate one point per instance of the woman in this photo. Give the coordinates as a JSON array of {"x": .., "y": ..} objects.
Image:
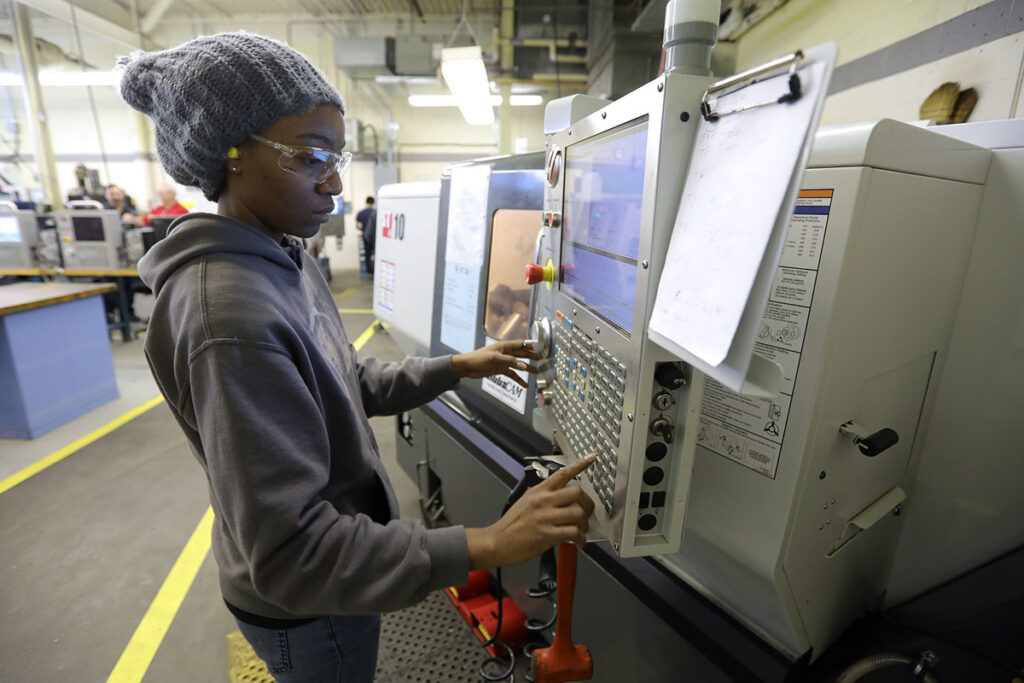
[{"x": 247, "y": 347}]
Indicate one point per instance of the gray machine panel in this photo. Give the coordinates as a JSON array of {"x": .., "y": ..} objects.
[
  {"x": 18, "y": 239},
  {"x": 486, "y": 235},
  {"x": 603, "y": 393},
  {"x": 90, "y": 239}
]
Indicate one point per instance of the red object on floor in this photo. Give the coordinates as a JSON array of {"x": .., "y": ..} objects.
[
  {"x": 563, "y": 661},
  {"x": 480, "y": 610}
]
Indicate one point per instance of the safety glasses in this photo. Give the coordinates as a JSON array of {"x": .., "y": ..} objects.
[{"x": 311, "y": 163}]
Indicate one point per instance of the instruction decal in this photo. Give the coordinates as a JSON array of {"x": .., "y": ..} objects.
[{"x": 751, "y": 431}]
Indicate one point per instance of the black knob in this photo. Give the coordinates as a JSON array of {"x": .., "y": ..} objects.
[
  {"x": 881, "y": 440},
  {"x": 656, "y": 451},
  {"x": 653, "y": 476},
  {"x": 647, "y": 522},
  {"x": 669, "y": 375}
]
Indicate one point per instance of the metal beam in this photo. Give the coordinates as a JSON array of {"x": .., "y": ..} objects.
[
  {"x": 37, "y": 118},
  {"x": 154, "y": 15},
  {"x": 61, "y": 9}
]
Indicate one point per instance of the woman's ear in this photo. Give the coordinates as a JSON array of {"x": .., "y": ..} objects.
[{"x": 233, "y": 158}]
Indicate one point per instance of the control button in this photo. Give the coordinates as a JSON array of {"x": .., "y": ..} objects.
[
  {"x": 656, "y": 451},
  {"x": 536, "y": 273},
  {"x": 653, "y": 475},
  {"x": 645, "y": 500},
  {"x": 621, "y": 370},
  {"x": 581, "y": 395},
  {"x": 657, "y": 499},
  {"x": 555, "y": 219},
  {"x": 669, "y": 375},
  {"x": 647, "y": 522},
  {"x": 663, "y": 428}
]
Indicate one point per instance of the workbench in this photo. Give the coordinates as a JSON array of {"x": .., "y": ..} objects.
[
  {"x": 120, "y": 276},
  {"x": 55, "y": 357}
]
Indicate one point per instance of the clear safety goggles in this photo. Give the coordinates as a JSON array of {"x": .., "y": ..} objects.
[{"x": 312, "y": 163}]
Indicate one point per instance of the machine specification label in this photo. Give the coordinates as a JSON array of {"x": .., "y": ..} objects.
[
  {"x": 749, "y": 430},
  {"x": 458, "y": 309},
  {"x": 385, "y": 278},
  {"x": 505, "y": 390}
]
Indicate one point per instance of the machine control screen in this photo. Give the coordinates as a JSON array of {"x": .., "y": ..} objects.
[
  {"x": 604, "y": 183},
  {"x": 10, "y": 231},
  {"x": 87, "y": 228}
]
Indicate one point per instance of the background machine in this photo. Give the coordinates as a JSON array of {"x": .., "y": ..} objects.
[
  {"x": 748, "y": 532},
  {"x": 90, "y": 238},
  {"x": 19, "y": 237}
]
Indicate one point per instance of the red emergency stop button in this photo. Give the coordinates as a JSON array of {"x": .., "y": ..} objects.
[{"x": 536, "y": 273}]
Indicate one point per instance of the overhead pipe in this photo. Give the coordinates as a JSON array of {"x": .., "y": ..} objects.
[{"x": 551, "y": 44}]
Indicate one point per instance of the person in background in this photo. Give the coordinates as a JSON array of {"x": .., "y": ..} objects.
[
  {"x": 117, "y": 200},
  {"x": 169, "y": 205},
  {"x": 250, "y": 352},
  {"x": 366, "y": 224}
]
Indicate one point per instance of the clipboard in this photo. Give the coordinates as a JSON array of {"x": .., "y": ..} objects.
[{"x": 746, "y": 167}]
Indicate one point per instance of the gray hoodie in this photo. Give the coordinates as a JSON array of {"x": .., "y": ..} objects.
[{"x": 249, "y": 351}]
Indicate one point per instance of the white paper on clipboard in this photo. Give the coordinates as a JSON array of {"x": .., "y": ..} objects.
[
  {"x": 744, "y": 174},
  {"x": 467, "y": 215}
]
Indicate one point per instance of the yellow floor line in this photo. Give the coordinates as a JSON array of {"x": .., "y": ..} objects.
[
  {"x": 365, "y": 336},
  {"x": 135, "y": 659},
  {"x": 347, "y": 293},
  {"x": 355, "y": 310},
  {"x": 141, "y": 649},
  {"x": 57, "y": 456}
]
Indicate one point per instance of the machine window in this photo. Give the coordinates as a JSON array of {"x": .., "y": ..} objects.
[{"x": 513, "y": 243}]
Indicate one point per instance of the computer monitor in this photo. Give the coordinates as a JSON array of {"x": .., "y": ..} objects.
[
  {"x": 18, "y": 238},
  {"x": 160, "y": 226},
  {"x": 10, "y": 231},
  {"x": 602, "y": 220},
  {"x": 87, "y": 228}
]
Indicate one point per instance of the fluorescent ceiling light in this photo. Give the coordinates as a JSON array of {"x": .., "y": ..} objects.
[
  {"x": 494, "y": 100},
  {"x": 79, "y": 78},
  {"x": 64, "y": 78},
  {"x": 446, "y": 101},
  {"x": 387, "y": 79},
  {"x": 464, "y": 72},
  {"x": 525, "y": 100}
]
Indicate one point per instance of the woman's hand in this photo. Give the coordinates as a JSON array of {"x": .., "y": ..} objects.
[
  {"x": 500, "y": 358},
  {"x": 551, "y": 512}
]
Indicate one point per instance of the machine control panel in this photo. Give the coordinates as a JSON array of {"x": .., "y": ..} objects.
[
  {"x": 607, "y": 216},
  {"x": 588, "y": 402}
]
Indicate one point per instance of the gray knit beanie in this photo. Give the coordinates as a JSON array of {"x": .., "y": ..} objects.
[{"x": 211, "y": 93}]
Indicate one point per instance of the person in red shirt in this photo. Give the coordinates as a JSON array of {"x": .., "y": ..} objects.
[{"x": 169, "y": 205}]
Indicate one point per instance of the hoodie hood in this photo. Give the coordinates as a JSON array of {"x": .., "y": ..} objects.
[{"x": 198, "y": 234}]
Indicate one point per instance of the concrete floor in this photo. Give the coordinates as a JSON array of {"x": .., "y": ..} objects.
[{"x": 86, "y": 543}]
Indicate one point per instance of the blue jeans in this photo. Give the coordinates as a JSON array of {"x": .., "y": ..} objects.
[{"x": 327, "y": 650}]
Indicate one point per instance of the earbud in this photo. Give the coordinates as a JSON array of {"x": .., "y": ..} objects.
[{"x": 233, "y": 153}]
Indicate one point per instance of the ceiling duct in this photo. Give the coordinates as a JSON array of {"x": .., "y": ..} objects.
[{"x": 384, "y": 55}]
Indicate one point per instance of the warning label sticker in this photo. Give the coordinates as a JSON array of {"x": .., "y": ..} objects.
[{"x": 751, "y": 431}]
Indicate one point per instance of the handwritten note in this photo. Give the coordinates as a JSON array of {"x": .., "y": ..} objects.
[
  {"x": 467, "y": 215},
  {"x": 743, "y": 177}
]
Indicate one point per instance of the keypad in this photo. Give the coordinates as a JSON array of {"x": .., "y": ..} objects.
[{"x": 587, "y": 404}]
